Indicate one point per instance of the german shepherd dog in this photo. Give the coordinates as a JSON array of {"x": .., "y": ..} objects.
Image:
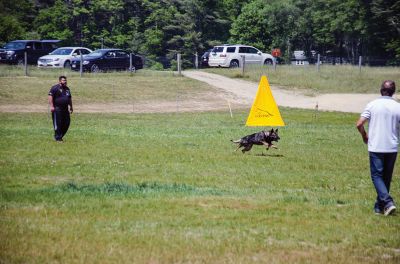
[{"x": 261, "y": 138}]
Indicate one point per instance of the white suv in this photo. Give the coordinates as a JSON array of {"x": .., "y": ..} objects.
[
  {"x": 231, "y": 56},
  {"x": 62, "y": 57}
]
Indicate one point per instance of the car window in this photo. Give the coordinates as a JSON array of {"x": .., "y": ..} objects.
[
  {"x": 121, "y": 54},
  {"x": 62, "y": 52},
  {"x": 84, "y": 51},
  {"x": 48, "y": 45},
  {"x": 217, "y": 49},
  {"x": 96, "y": 53},
  {"x": 110, "y": 54},
  {"x": 15, "y": 45},
  {"x": 252, "y": 50},
  {"x": 37, "y": 46},
  {"x": 231, "y": 49},
  {"x": 242, "y": 49}
]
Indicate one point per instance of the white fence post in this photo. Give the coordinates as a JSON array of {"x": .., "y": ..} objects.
[
  {"x": 196, "y": 62},
  {"x": 243, "y": 63},
  {"x": 26, "y": 63},
  {"x": 81, "y": 66},
  {"x": 179, "y": 63}
]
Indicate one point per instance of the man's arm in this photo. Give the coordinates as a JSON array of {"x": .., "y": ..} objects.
[
  {"x": 51, "y": 103},
  {"x": 360, "y": 126},
  {"x": 71, "y": 109}
]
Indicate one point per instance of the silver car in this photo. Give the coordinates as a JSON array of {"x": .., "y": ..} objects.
[{"x": 61, "y": 57}]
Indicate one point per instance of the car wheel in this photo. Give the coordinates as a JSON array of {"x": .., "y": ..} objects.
[
  {"x": 95, "y": 68},
  {"x": 268, "y": 62},
  {"x": 67, "y": 64},
  {"x": 234, "y": 64}
]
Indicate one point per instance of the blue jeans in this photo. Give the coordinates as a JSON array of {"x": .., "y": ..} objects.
[{"x": 381, "y": 166}]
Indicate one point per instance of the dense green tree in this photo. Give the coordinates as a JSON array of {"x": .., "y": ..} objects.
[
  {"x": 266, "y": 24},
  {"x": 16, "y": 18},
  {"x": 161, "y": 29}
]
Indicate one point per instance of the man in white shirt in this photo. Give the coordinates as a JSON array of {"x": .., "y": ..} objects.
[{"x": 383, "y": 115}]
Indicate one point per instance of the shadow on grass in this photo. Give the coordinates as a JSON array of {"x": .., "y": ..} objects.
[
  {"x": 270, "y": 155},
  {"x": 144, "y": 188}
]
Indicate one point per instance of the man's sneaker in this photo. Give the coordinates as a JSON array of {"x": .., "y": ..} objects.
[
  {"x": 390, "y": 210},
  {"x": 378, "y": 212}
]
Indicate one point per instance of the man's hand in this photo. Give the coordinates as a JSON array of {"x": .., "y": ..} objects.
[
  {"x": 365, "y": 139},
  {"x": 52, "y": 109},
  {"x": 360, "y": 127},
  {"x": 71, "y": 110}
]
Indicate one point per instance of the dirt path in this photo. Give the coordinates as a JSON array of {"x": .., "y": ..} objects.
[{"x": 245, "y": 91}]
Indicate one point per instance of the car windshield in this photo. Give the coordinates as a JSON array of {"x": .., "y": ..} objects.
[
  {"x": 61, "y": 52},
  {"x": 96, "y": 53},
  {"x": 15, "y": 45},
  {"x": 217, "y": 49}
]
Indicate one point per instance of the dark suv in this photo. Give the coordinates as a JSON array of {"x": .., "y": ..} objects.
[{"x": 14, "y": 52}]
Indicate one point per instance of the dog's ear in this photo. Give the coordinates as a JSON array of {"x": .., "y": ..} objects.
[
  {"x": 276, "y": 131},
  {"x": 272, "y": 130}
]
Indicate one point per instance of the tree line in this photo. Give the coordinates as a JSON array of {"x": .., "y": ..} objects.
[{"x": 159, "y": 29}]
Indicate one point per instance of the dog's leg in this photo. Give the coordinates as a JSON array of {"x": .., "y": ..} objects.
[
  {"x": 247, "y": 148},
  {"x": 265, "y": 144},
  {"x": 239, "y": 146}
]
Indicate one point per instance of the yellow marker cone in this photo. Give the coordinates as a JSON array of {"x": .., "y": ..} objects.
[{"x": 264, "y": 111}]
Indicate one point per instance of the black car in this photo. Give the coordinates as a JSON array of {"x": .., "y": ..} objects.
[
  {"x": 14, "y": 52},
  {"x": 204, "y": 58},
  {"x": 107, "y": 59}
]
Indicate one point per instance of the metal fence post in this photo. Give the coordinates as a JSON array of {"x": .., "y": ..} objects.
[
  {"x": 196, "y": 62},
  {"x": 81, "y": 66},
  {"x": 243, "y": 63},
  {"x": 130, "y": 62},
  {"x": 359, "y": 63},
  {"x": 179, "y": 63},
  {"x": 318, "y": 61},
  {"x": 26, "y": 63}
]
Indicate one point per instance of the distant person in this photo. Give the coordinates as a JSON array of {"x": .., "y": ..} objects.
[
  {"x": 383, "y": 115},
  {"x": 59, "y": 100}
]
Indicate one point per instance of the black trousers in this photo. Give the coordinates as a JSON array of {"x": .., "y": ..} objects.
[{"x": 61, "y": 121}]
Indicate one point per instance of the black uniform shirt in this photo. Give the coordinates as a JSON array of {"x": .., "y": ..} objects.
[{"x": 61, "y": 97}]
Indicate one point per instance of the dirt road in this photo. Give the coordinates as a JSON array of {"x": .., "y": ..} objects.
[{"x": 246, "y": 91}]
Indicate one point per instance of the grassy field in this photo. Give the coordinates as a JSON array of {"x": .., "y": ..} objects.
[
  {"x": 330, "y": 79},
  {"x": 168, "y": 188},
  {"x": 121, "y": 87}
]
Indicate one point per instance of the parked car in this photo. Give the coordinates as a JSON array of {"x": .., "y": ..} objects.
[
  {"x": 205, "y": 57},
  {"x": 231, "y": 56},
  {"x": 61, "y": 57},
  {"x": 14, "y": 51},
  {"x": 107, "y": 59}
]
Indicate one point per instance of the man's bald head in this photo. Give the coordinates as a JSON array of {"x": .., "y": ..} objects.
[{"x": 388, "y": 88}]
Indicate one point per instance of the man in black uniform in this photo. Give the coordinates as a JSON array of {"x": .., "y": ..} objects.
[{"x": 59, "y": 99}]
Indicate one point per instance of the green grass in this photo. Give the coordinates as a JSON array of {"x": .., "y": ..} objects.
[
  {"x": 168, "y": 188},
  {"x": 330, "y": 79},
  {"x": 120, "y": 87}
]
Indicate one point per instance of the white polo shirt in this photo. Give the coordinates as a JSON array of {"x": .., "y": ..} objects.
[{"x": 384, "y": 122}]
